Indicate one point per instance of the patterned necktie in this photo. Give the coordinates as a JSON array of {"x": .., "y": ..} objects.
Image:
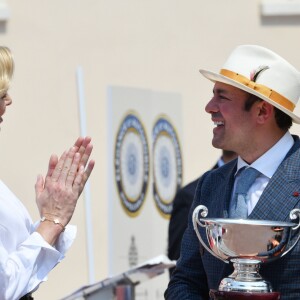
[{"x": 238, "y": 208}]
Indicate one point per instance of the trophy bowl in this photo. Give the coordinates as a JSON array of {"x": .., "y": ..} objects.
[{"x": 247, "y": 244}]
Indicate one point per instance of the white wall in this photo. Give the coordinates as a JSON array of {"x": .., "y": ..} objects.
[{"x": 137, "y": 43}]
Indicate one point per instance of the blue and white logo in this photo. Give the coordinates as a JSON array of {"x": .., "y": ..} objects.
[
  {"x": 167, "y": 165},
  {"x": 132, "y": 164}
]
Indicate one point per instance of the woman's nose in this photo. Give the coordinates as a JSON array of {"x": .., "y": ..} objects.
[{"x": 8, "y": 100}]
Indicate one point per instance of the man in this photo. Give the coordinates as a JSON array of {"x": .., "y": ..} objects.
[
  {"x": 181, "y": 206},
  {"x": 252, "y": 108}
]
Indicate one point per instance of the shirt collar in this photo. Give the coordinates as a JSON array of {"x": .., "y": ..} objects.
[
  {"x": 220, "y": 162},
  {"x": 268, "y": 163}
]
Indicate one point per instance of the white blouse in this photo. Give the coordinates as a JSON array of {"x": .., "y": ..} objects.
[{"x": 25, "y": 257}]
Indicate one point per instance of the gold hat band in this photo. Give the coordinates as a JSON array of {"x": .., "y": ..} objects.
[{"x": 269, "y": 93}]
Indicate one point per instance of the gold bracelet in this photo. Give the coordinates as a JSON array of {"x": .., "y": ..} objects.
[{"x": 55, "y": 221}]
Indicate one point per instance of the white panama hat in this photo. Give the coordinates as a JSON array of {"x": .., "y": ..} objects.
[{"x": 263, "y": 73}]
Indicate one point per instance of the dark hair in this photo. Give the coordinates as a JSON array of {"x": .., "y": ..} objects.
[{"x": 283, "y": 121}]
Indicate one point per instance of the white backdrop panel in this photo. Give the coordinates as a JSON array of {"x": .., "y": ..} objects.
[{"x": 141, "y": 234}]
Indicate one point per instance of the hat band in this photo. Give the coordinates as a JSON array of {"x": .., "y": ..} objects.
[{"x": 262, "y": 89}]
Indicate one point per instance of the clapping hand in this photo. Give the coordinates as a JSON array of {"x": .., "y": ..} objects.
[{"x": 57, "y": 194}]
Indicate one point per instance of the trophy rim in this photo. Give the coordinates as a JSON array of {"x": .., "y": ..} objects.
[{"x": 221, "y": 221}]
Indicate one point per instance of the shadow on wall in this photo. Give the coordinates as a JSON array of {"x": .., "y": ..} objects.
[
  {"x": 2, "y": 27},
  {"x": 280, "y": 20}
]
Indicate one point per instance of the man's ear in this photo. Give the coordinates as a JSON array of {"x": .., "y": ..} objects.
[{"x": 264, "y": 111}]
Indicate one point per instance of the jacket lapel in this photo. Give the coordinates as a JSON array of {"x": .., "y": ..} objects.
[
  {"x": 282, "y": 193},
  {"x": 224, "y": 188}
]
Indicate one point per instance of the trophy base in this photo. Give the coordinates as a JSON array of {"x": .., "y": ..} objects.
[{"x": 222, "y": 295}]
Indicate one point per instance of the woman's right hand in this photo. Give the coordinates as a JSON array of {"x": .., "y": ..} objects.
[{"x": 57, "y": 195}]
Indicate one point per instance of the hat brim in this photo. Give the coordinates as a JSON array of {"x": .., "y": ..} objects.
[{"x": 221, "y": 78}]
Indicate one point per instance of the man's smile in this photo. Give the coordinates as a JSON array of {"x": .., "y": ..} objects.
[{"x": 218, "y": 123}]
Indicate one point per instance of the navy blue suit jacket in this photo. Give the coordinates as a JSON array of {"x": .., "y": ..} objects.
[{"x": 197, "y": 270}]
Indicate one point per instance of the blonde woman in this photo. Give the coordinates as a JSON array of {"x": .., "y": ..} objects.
[{"x": 28, "y": 251}]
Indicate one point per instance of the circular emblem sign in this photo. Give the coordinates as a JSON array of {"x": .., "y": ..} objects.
[
  {"x": 131, "y": 164},
  {"x": 167, "y": 166}
]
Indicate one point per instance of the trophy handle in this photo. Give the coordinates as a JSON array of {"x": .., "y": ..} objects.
[
  {"x": 294, "y": 214},
  {"x": 196, "y": 221}
]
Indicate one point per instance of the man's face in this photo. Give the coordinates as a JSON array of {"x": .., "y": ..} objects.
[{"x": 234, "y": 125}]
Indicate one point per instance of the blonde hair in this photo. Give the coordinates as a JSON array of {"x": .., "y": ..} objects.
[{"x": 6, "y": 69}]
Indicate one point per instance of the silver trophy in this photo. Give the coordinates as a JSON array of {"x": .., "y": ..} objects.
[{"x": 247, "y": 244}]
